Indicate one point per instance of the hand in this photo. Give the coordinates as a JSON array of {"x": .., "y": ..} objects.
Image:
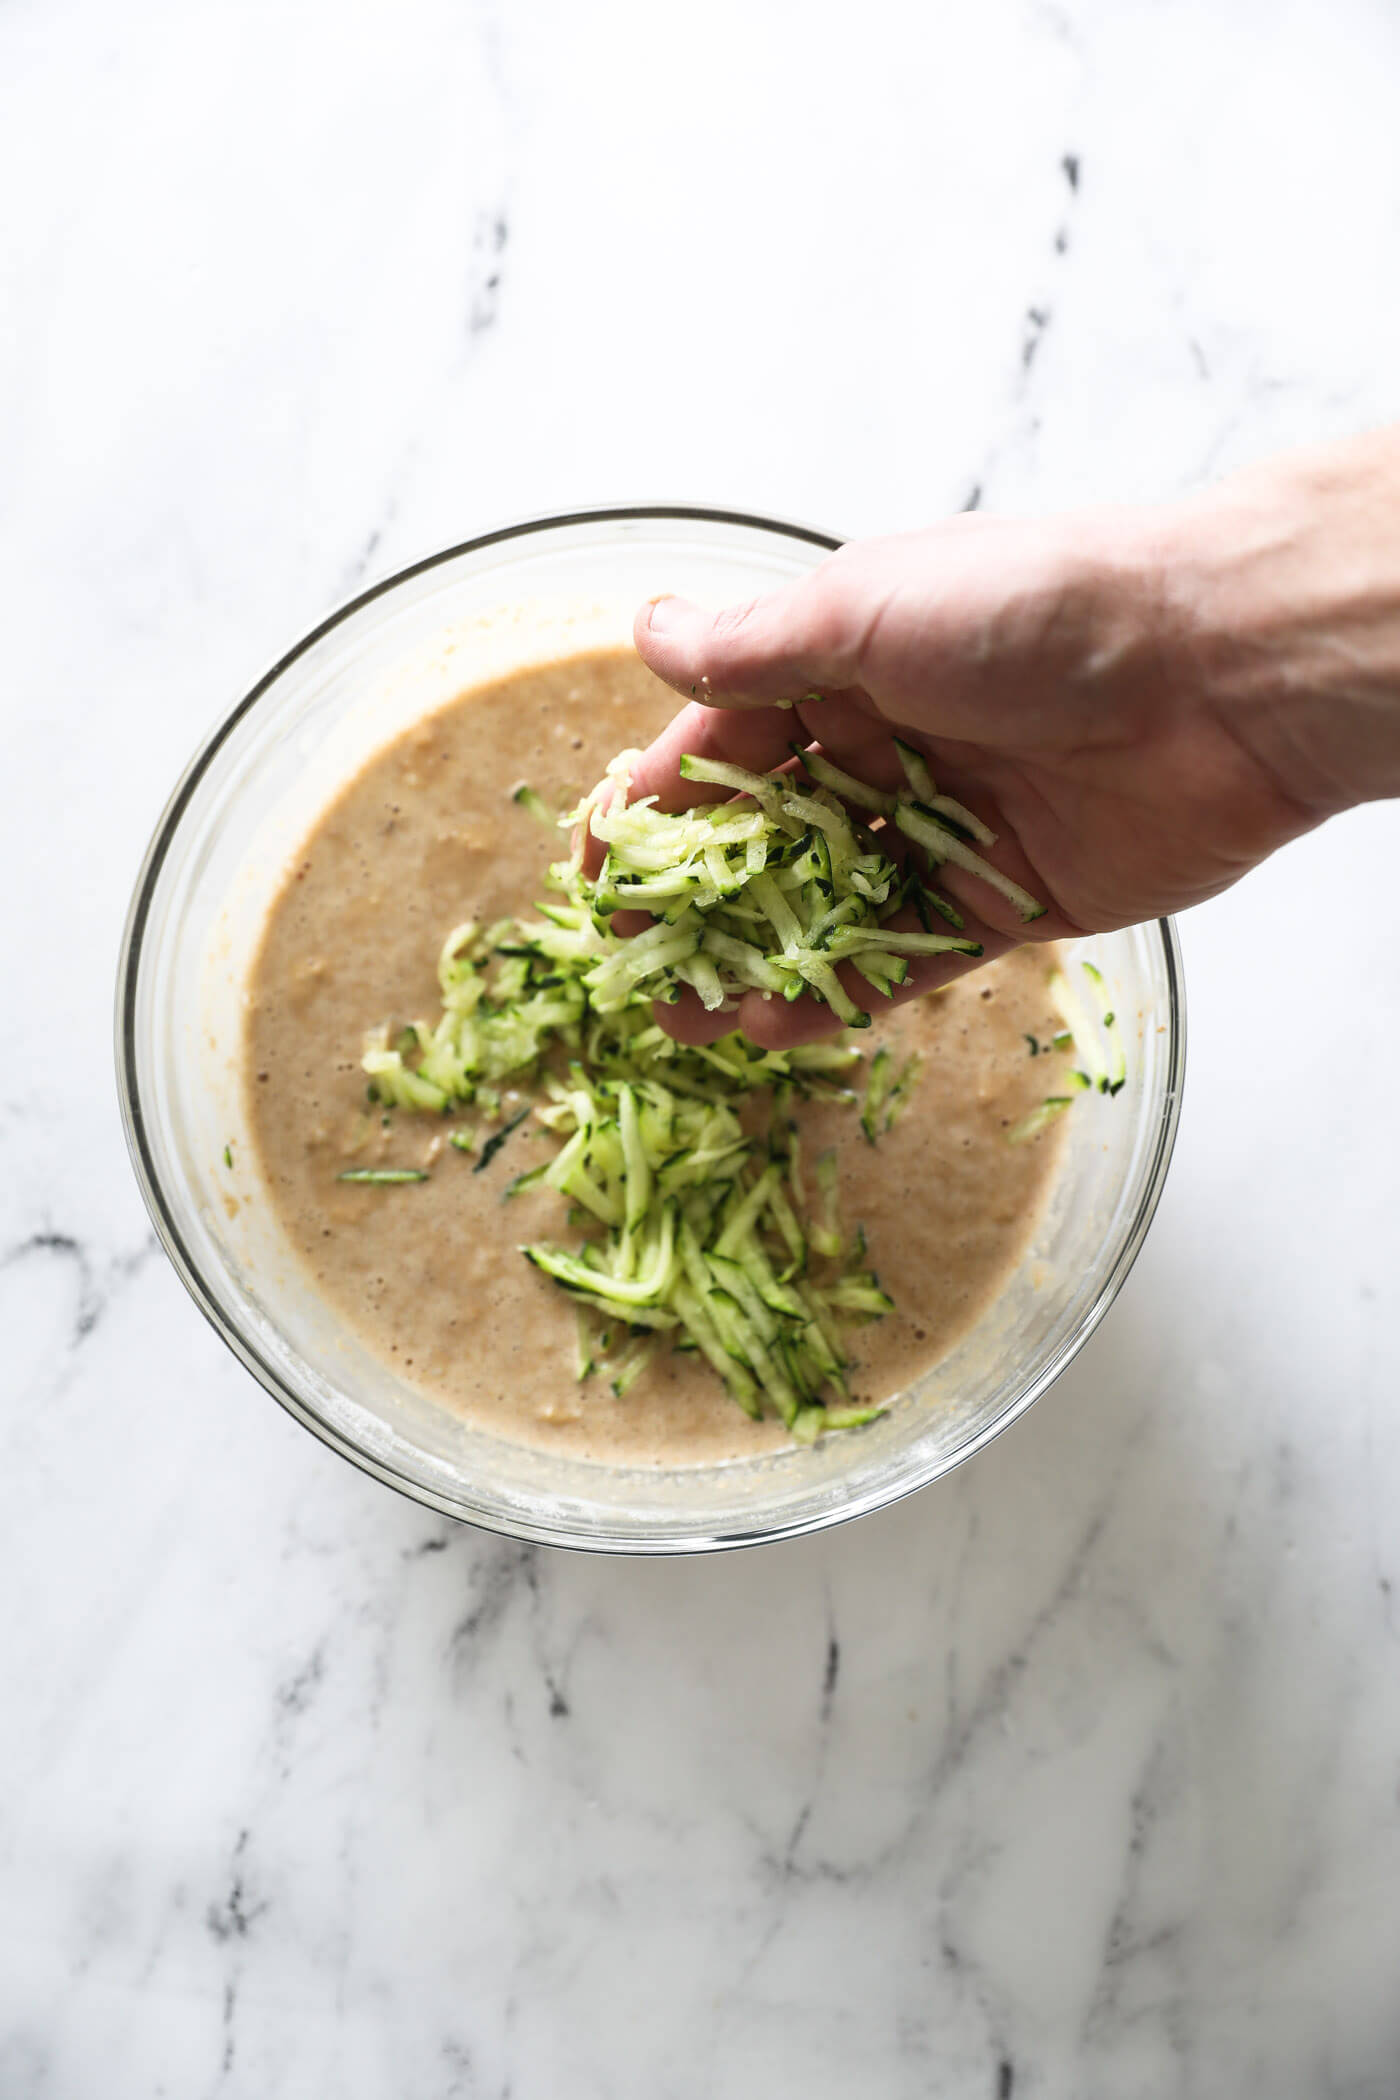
[{"x": 1142, "y": 704}]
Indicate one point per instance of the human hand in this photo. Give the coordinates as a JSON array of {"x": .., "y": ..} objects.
[{"x": 1141, "y": 704}]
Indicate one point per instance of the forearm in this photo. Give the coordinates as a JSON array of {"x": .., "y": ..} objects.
[{"x": 1283, "y": 585}]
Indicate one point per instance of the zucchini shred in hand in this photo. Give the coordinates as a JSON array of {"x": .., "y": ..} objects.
[{"x": 682, "y": 1166}]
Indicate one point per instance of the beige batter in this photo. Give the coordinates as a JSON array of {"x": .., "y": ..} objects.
[{"x": 429, "y": 1273}]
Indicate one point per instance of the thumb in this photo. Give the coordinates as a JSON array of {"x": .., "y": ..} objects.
[{"x": 773, "y": 648}]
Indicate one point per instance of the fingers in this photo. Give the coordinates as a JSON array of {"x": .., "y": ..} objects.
[
  {"x": 774, "y": 1024},
  {"x": 860, "y": 743},
  {"x": 689, "y": 1022},
  {"x": 759, "y": 739},
  {"x": 846, "y": 728},
  {"x": 773, "y": 648}
]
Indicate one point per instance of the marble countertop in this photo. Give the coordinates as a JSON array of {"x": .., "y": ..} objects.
[{"x": 1077, "y": 1776}]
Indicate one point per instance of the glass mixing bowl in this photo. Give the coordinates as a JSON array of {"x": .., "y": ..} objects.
[{"x": 532, "y": 591}]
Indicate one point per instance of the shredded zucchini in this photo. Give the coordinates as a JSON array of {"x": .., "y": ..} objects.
[
  {"x": 765, "y": 893},
  {"x": 1106, "y": 1069},
  {"x": 1115, "y": 1077},
  {"x": 526, "y": 798},
  {"x": 1080, "y": 1029},
  {"x": 497, "y": 1139},
  {"x": 382, "y": 1177},
  {"x": 698, "y": 1234},
  {"x": 693, "y": 1229},
  {"x": 1031, "y": 1126},
  {"x": 1100, "y": 1070},
  {"x": 887, "y": 1093}
]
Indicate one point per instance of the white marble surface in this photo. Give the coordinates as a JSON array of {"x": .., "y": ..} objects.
[{"x": 1079, "y": 1775}]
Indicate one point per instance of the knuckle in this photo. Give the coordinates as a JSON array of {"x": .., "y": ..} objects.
[{"x": 732, "y": 620}]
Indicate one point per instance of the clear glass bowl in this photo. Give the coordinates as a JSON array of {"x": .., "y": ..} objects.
[{"x": 229, "y": 832}]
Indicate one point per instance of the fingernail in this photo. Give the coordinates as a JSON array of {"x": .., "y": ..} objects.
[{"x": 663, "y": 611}]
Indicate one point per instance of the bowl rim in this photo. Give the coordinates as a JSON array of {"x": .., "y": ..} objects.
[{"x": 566, "y": 1537}]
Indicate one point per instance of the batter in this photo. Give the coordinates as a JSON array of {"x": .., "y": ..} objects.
[{"x": 429, "y": 1273}]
